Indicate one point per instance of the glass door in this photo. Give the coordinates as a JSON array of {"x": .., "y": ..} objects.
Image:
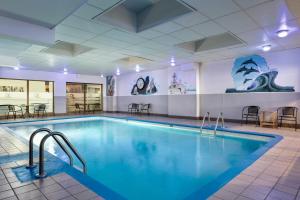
[
  {"x": 75, "y": 97},
  {"x": 93, "y": 97},
  {"x": 41, "y": 93}
]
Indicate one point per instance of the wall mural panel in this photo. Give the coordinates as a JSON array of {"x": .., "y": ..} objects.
[
  {"x": 144, "y": 86},
  {"x": 181, "y": 85},
  {"x": 252, "y": 74},
  {"x": 110, "y": 85}
]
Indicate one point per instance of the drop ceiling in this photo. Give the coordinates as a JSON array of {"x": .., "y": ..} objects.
[{"x": 254, "y": 22}]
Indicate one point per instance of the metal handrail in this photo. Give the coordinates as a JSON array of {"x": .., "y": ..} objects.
[
  {"x": 217, "y": 122},
  {"x": 42, "y": 173},
  {"x": 203, "y": 120},
  {"x": 31, "y": 164}
]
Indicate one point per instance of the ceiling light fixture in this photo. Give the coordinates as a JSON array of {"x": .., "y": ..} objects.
[
  {"x": 118, "y": 72},
  {"x": 282, "y": 33},
  {"x": 173, "y": 64},
  {"x": 65, "y": 69},
  {"x": 102, "y": 76},
  {"x": 16, "y": 68},
  {"x": 266, "y": 47},
  {"x": 137, "y": 68},
  {"x": 65, "y": 72}
]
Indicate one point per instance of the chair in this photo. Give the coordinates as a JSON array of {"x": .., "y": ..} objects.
[
  {"x": 133, "y": 108},
  {"x": 250, "y": 112},
  {"x": 97, "y": 107},
  {"x": 40, "y": 108},
  {"x": 145, "y": 108},
  {"x": 287, "y": 114},
  {"x": 78, "y": 108},
  {"x": 14, "y": 110}
]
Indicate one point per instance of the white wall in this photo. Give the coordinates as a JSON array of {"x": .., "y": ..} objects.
[
  {"x": 161, "y": 102},
  {"x": 59, "y": 79}
]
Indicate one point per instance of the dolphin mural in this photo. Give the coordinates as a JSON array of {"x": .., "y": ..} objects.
[{"x": 252, "y": 74}]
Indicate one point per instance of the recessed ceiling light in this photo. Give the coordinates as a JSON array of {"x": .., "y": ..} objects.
[
  {"x": 118, "y": 72},
  {"x": 282, "y": 33},
  {"x": 101, "y": 75},
  {"x": 16, "y": 68},
  {"x": 173, "y": 64},
  {"x": 65, "y": 69},
  {"x": 137, "y": 68},
  {"x": 65, "y": 72},
  {"x": 266, "y": 47}
]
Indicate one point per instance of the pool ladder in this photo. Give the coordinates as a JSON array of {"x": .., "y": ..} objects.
[
  {"x": 220, "y": 116},
  {"x": 54, "y": 135},
  {"x": 207, "y": 116}
]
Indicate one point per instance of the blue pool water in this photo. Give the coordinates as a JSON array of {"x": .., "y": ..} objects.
[{"x": 144, "y": 161}]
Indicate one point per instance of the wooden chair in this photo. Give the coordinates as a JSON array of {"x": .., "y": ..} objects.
[
  {"x": 268, "y": 118},
  {"x": 250, "y": 112},
  {"x": 289, "y": 114}
]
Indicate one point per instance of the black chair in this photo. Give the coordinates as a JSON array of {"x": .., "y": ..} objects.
[
  {"x": 133, "y": 108},
  {"x": 78, "y": 108},
  {"x": 287, "y": 114},
  {"x": 97, "y": 107},
  {"x": 250, "y": 112},
  {"x": 14, "y": 110},
  {"x": 40, "y": 108},
  {"x": 145, "y": 108}
]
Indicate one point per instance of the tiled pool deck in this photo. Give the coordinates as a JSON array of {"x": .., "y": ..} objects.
[{"x": 276, "y": 175}]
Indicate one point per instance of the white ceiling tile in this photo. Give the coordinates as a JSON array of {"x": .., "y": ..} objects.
[
  {"x": 168, "y": 27},
  {"x": 149, "y": 34},
  {"x": 208, "y": 28},
  {"x": 214, "y": 8},
  {"x": 103, "y": 4},
  {"x": 86, "y": 25},
  {"x": 87, "y": 11},
  {"x": 191, "y": 19},
  {"x": 124, "y": 36},
  {"x": 68, "y": 30},
  {"x": 237, "y": 23},
  {"x": 249, "y": 3},
  {"x": 258, "y": 37},
  {"x": 68, "y": 38},
  {"x": 273, "y": 12},
  {"x": 167, "y": 39},
  {"x": 187, "y": 35}
]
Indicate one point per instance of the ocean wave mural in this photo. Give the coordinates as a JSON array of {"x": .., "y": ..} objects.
[
  {"x": 252, "y": 74},
  {"x": 144, "y": 86}
]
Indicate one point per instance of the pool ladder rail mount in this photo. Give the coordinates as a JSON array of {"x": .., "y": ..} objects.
[{"x": 54, "y": 135}]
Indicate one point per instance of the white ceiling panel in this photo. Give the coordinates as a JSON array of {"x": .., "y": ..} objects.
[
  {"x": 191, "y": 19},
  {"x": 103, "y": 4},
  {"x": 87, "y": 25},
  {"x": 270, "y": 13},
  {"x": 168, "y": 27},
  {"x": 187, "y": 35},
  {"x": 237, "y": 23},
  {"x": 87, "y": 11},
  {"x": 167, "y": 40},
  {"x": 214, "y": 8},
  {"x": 249, "y": 3},
  {"x": 208, "y": 28},
  {"x": 257, "y": 36},
  {"x": 75, "y": 32}
]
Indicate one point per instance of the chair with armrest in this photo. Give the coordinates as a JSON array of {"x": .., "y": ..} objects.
[
  {"x": 289, "y": 114},
  {"x": 145, "y": 108},
  {"x": 40, "y": 108},
  {"x": 15, "y": 110},
  {"x": 250, "y": 112},
  {"x": 133, "y": 108}
]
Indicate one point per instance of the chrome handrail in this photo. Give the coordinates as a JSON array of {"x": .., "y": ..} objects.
[
  {"x": 203, "y": 120},
  {"x": 31, "y": 164},
  {"x": 42, "y": 173},
  {"x": 217, "y": 122}
]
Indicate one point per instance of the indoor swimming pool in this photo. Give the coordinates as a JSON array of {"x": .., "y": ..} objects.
[{"x": 141, "y": 160}]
